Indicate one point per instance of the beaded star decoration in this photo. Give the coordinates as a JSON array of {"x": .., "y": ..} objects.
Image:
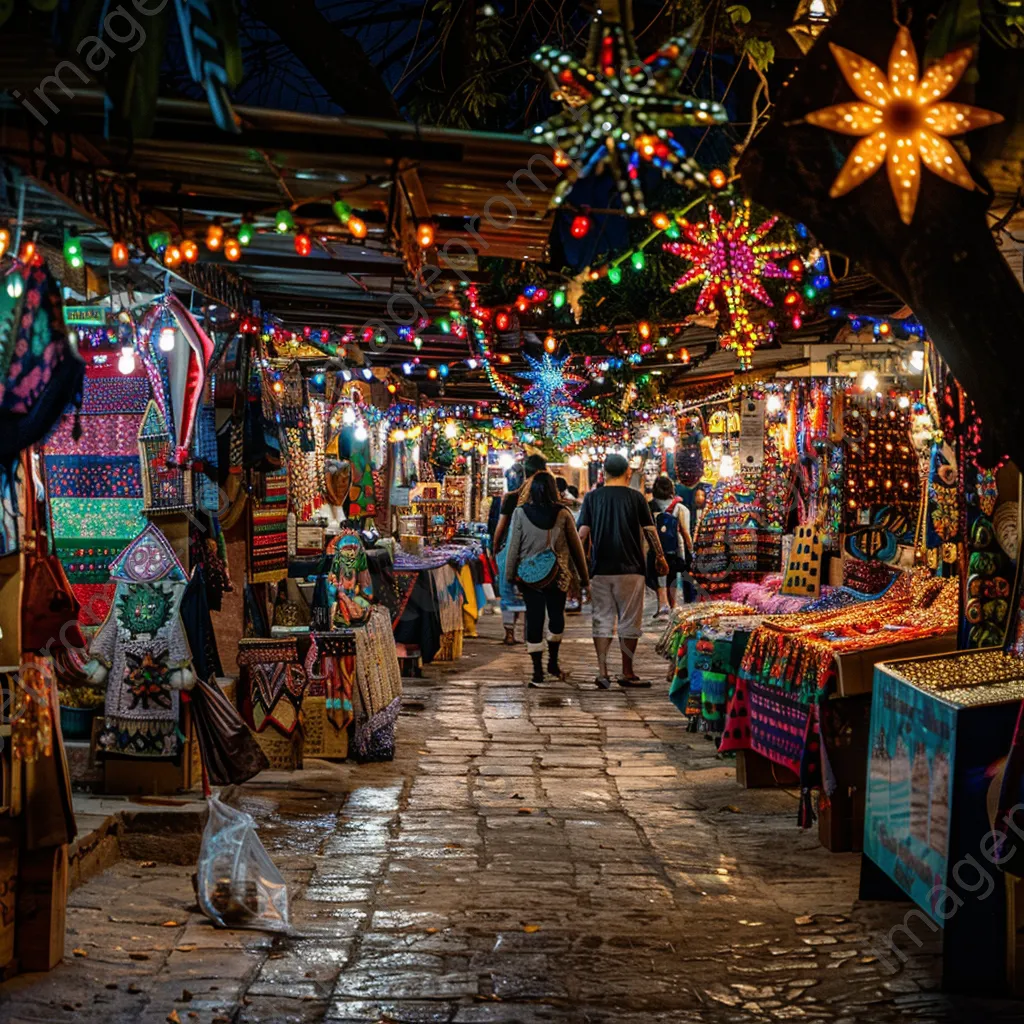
[
  {"x": 903, "y": 120},
  {"x": 552, "y": 392},
  {"x": 619, "y": 108},
  {"x": 730, "y": 260}
]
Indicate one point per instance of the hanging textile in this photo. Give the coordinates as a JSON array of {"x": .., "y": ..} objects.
[
  {"x": 361, "y": 497},
  {"x": 95, "y": 485},
  {"x": 271, "y": 684},
  {"x": 41, "y": 372},
  {"x": 331, "y": 668},
  {"x": 268, "y": 556},
  {"x": 205, "y": 480},
  {"x": 142, "y": 652},
  {"x": 178, "y": 377}
]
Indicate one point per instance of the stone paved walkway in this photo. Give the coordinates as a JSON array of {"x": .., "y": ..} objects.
[{"x": 562, "y": 855}]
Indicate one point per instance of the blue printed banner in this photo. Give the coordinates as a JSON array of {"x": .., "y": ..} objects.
[{"x": 910, "y": 791}]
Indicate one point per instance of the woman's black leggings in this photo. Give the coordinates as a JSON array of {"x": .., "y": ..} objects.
[{"x": 550, "y": 601}]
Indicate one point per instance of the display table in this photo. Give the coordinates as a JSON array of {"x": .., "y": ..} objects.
[
  {"x": 437, "y": 591},
  {"x": 940, "y": 727},
  {"x": 783, "y": 706}
]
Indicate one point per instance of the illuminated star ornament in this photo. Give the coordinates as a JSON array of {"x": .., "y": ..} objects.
[
  {"x": 903, "y": 120},
  {"x": 619, "y": 109},
  {"x": 730, "y": 260},
  {"x": 551, "y": 392}
]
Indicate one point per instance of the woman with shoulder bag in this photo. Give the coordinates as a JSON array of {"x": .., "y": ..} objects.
[{"x": 542, "y": 542}]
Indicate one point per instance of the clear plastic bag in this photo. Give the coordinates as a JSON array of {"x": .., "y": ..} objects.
[{"x": 237, "y": 883}]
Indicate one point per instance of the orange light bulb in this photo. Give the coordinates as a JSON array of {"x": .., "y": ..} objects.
[
  {"x": 118, "y": 254},
  {"x": 425, "y": 235},
  {"x": 189, "y": 251},
  {"x": 233, "y": 250},
  {"x": 214, "y": 237},
  {"x": 357, "y": 226},
  {"x": 718, "y": 178}
]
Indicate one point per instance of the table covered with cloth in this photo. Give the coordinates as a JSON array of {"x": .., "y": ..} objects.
[
  {"x": 438, "y": 589},
  {"x": 780, "y": 702}
]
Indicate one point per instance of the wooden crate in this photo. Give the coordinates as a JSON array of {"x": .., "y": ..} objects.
[
  {"x": 41, "y": 908},
  {"x": 8, "y": 895},
  {"x": 141, "y": 776},
  {"x": 754, "y": 771},
  {"x": 322, "y": 738},
  {"x": 855, "y": 672},
  {"x": 283, "y": 752}
]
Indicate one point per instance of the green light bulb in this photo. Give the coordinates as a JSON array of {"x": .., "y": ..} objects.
[
  {"x": 638, "y": 260},
  {"x": 245, "y": 233},
  {"x": 615, "y": 275},
  {"x": 558, "y": 299}
]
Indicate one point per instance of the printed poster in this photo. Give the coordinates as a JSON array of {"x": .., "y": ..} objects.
[
  {"x": 752, "y": 432},
  {"x": 910, "y": 787}
]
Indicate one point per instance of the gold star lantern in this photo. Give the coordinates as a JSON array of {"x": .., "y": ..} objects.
[{"x": 903, "y": 120}]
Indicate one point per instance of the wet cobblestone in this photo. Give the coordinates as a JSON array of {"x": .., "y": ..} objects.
[{"x": 560, "y": 855}]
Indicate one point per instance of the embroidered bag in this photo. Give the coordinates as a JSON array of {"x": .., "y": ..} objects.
[{"x": 540, "y": 570}]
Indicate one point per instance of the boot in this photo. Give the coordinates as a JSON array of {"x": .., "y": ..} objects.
[
  {"x": 538, "y": 668},
  {"x": 554, "y": 669},
  {"x": 510, "y": 636}
]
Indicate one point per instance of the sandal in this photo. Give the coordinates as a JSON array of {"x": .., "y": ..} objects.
[
  {"x": 634, "y": 683},
  {"x": 603, "y": 683}
]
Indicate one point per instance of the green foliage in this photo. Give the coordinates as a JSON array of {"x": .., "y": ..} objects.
[
  {"x": 761, "y": 52},
  {"x": 482, "y": 90}
]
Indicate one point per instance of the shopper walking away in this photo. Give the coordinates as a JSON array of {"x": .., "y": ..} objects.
[
  {"x": 543, "y": 549},
  {"x": 672, "y": 521},
  {"x": 618, "y": 522},
  {"x": 512, "y": 602}
]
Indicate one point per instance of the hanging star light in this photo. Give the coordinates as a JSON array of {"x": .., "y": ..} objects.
[
  {"x": 902, "y": 120},
  {"x": 730, "y": 260},
  {"x": 552, "y": 392},
  {"x": 620, "y": 108}
]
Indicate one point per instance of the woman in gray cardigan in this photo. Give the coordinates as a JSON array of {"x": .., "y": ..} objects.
[{"x": 542, "y": 522}]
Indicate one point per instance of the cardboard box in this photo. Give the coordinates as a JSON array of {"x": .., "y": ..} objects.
[{"x": 855, "y": 672}]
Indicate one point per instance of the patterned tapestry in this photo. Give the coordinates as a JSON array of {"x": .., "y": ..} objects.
[
  {"x": 142, "y": 651},
  {"x": 95, "y": 484},
  {"x": 268, "y": 556}
]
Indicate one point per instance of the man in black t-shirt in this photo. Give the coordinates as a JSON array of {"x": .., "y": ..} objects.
[{"x": 618, "y": 520}]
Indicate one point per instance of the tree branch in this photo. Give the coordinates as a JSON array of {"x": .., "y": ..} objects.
[{"x": 336, "y": 60}]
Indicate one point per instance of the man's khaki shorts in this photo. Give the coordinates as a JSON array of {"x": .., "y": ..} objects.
[{"x": 618, "y": 599}]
